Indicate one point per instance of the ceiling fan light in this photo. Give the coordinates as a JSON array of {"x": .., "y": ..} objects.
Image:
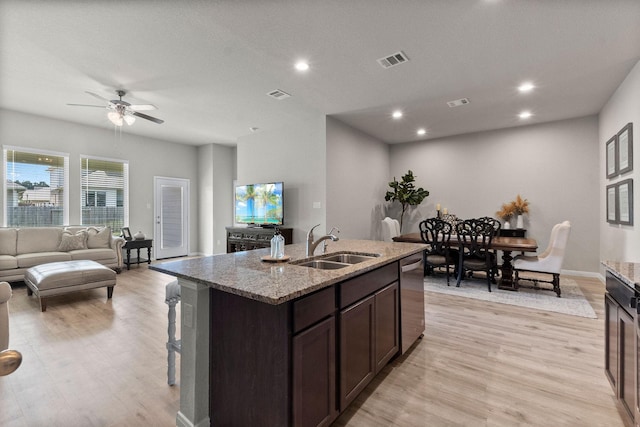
[
  {"x": 115, "y": 118},
  {"x": 129, "y": 119}
]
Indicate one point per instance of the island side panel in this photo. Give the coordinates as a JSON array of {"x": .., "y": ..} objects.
[
  {"x": 194, "y": 355},
  {"x": 250, "y": 361}
]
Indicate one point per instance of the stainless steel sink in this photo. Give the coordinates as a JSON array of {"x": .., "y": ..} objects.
[
  {"x": 348, "y": 258},
  {"x": 324, "y": 265},
  {"x": 335, "y": 261}
]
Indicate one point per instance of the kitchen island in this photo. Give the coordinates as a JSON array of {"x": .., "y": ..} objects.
[{"x": 284, "y": 344}]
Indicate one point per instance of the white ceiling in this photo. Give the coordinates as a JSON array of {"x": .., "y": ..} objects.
[{"x": 208, "y": 65}]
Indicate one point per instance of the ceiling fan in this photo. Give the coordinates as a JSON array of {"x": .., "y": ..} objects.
[{"x": 120, "y": 111}]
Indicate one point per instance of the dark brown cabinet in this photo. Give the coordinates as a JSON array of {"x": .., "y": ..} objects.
[
  {"x": 314, "y": 359},
  {"x": 314, "y": 375},
  {"x": 368, "y": 328},
  {"x": 305, "y": 360},
  {"x": 387, "y": 340},
  {"x": 248, "y": 238},
  {"x": 621, "y": 345},
  {"x": 357, "y": 364}
]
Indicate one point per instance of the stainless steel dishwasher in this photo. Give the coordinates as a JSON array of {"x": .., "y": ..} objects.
[{"x": 411, "y": 300}]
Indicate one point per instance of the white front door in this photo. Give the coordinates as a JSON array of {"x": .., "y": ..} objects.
[{"x": 171, "y": 217}]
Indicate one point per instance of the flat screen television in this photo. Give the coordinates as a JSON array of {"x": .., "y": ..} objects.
[{"x": 260, "y": 204}]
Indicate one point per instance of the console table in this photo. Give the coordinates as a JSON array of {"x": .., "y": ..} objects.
[
  {"x": 247, "y": 238},
  {"x": 512, "y": 232},
  {"x": 137, "y": 244}
]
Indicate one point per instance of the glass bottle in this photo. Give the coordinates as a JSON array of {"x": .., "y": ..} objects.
[{"x": 277, "y": 245}]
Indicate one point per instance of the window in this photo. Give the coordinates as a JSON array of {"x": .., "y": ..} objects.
[
  {"x": 105, "y": 189},
  {"x": 35, "y": 187}
]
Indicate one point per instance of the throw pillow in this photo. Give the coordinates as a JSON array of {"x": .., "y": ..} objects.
[
  {"x": 71, "y": 242},
  {"x": 98, "y": 238}
]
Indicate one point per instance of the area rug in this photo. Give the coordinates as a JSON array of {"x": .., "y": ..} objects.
[{"x": 572, "y": 302}]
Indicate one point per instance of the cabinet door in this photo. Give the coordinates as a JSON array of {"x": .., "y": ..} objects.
[
  {"x": 386, "y": 325},
  {"x": 314, "y": 375},
  {"x": 637, "y": 356},
  {"x": 611, "y": 341},
  {"x": 357, "y": 365},
  {"x": 627, "y": 359}
]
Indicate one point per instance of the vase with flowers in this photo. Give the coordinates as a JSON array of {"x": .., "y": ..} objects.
[
  {"x": 520, "y": 207},
  {"x": 517, "y": 208},
  {"x": 505, "y": 214}
]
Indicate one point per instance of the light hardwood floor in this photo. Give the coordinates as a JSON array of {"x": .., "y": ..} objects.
[{"x": 93, "y": 362}]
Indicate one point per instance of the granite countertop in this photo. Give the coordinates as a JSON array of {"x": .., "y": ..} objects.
[
  {"x": 628, "y": 272},
  {"x": 244, "y": 274}
]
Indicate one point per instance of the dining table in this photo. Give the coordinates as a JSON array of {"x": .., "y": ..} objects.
[{"x": 504, "y": 244}]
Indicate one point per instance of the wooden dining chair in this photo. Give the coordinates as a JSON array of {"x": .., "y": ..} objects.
[
  {"x": 496, "y": 232},
  {"x": 437, "y": 233},
  {"x": 475, "y": 254}
]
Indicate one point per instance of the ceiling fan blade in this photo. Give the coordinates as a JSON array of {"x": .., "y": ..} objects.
[
  {"x": 95, "y": 95},
  {"x": 144, "y": 116},
  {"x": 142, "y": 107},
  {"x": 86, "y": 105}
]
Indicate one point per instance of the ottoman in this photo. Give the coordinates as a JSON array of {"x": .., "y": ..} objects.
[{"x": 57, "y": 278}]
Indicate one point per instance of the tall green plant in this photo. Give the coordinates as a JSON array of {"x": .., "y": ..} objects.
[{"x": 406, "y": 193}]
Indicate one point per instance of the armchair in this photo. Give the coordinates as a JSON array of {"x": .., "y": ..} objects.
[
  {"x": 390, "y": 229},
  {"x": 548, "y": 262},
  {"x": 9, "y": 359}
]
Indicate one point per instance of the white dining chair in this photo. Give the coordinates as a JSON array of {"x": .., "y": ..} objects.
[
  {"x": 390, "y": 229},
  {"x": 548, "y": 262}
]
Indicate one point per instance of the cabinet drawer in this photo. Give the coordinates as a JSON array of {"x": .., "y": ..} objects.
[
  {"x": 313, "y": 308},
  {"x": 620, "y": 292},
  {"x": 361, "y": 286}
]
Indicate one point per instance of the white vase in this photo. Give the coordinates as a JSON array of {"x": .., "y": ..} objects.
[
  {"x": 507, "y": 224},
  {"x": 519, "y": 222}
]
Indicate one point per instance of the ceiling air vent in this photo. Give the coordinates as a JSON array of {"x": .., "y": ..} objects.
[
  {"x": 458, "y": 102},
  {"x": 278, "y": 94},
  {"x": 393, "y": 60}
]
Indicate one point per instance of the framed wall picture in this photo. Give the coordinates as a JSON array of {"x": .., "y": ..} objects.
[
  {"x": 612, "y": 207},
  {"x": 126, "y": 233},
  {"x": 624, "y": 148},
  {"x": 612, "y": 157},
  {"x": 624, "y": 195}
]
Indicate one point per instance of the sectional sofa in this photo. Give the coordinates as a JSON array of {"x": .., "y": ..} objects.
[{"x": 22, "y": 248}]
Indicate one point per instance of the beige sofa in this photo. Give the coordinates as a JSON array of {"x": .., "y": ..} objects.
[{"x": 23, "y": 248}]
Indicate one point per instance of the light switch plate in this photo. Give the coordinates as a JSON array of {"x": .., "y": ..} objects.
[{"x": 317, "y": 205}]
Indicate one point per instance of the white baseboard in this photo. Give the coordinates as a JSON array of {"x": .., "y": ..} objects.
[{"x": 592, "y": 274}]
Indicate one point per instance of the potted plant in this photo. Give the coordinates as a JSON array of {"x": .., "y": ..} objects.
[{"x": 406, "y": 193}]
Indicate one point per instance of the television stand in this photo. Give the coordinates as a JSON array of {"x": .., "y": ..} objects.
[{"x": 247, "y": 238}]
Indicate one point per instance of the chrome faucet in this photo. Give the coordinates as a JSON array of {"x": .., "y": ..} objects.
[
  {"x": 325, "y": 243},
  {"x": 311, "y": 245}
]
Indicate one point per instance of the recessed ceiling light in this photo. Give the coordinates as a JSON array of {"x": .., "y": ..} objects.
[
  {"x": 526, "y": 87},
  {"x": 396, "y": 114},
  {"x": 525, "y": 114},
  {"x": 421, "y": 131},
  {"x": 302, "y": 65}
]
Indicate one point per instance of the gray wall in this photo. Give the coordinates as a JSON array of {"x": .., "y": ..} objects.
[
  {"x": 357, "y": 178},
  {"x": 617, "y": 242},
  {"x": 216, "y": 171},
  {"x": 295, "y": 154},
  {"x": 147, "y": 158},
  {"x": 553, "y": 165}
]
